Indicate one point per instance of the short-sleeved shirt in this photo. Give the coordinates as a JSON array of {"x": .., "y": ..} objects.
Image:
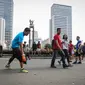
[
  {"x": 65, "y": 44},
  {"x": 17, "y": 40},
  {"x": 58, "y": 38},
  {"x": 70, "y": 47},
  {"x": 77, "y": 45},
  {"x": 38, "y": 45},
  {"x": 83, "y": 48}
]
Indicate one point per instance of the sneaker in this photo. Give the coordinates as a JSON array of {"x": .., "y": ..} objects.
[
  {"x": 7, "y": 66},
  {"x": 24, "y": 71},
  {"x": 53, "y": 66},
  {"x": 70, "y": 65},
  {"x": 65, "y": 66},
  {"x": 79, "y": 62},
  {"x": 75, "y": 62},
  {"x": 59, "y": 62}
]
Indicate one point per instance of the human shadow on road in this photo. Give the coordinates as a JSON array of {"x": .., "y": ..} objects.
[
  {"x": 44, "y": 68},
  {"x": 9, "y": 71},
  {"x": 37, "y": 68}
]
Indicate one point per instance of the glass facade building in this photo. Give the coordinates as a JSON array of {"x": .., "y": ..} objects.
[
  {"x": 61, "y": 17},
  {"x": 2, "y": 31},
  {"x": 6, "y": 12}
]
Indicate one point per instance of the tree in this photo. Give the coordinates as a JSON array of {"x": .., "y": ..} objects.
[{"x": 48, "y": 46}]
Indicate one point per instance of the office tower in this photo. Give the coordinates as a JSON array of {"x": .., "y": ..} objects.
[
  {"x": 2, "y": 31},
  {"x": 6, "y": 12},
  {"x": 61, "y": 17}
]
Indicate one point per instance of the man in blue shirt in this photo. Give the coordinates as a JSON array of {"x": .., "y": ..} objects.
[
  {"x": 17, "y": 47},
  {"x": 78, "y": 55}
]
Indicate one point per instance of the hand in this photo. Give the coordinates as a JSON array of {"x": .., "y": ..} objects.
[
  {"x": 63, "y": 53},
  {"x": 23, "y": 54}
]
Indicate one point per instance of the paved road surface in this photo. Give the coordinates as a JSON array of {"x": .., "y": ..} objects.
[{"x": 40, "y": 73}]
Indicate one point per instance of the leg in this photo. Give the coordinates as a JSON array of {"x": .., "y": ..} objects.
[
  {"x": 22, "y": 69},
  {"x": 53, "y": 59},
  {"x": 60, "y": 61},
  {"x": 76, "y": 57},
  {"x": 19, "y": 57},
  {"x": 67, "y": 56},
  {"x": 80, "y": 59},
  {"x": 63, "y": 59},
  {"x": 21, "y": 64},
  {"x": 10, "y": 60},
  {"x": 28, "y": 56}
]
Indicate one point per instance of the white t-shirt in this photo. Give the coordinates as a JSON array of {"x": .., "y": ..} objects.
[{"x": 65, "y": 44}]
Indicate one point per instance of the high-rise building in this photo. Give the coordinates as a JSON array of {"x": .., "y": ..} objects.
[
  {"x": 61, "y": 17},
  {"x": 36, "y": 38},
  {"x": 6, "y": 12},
  {"x": 35, "y": 34},
  {"x": 44, "y": 42},
  {"x": 2, "y": 31}
]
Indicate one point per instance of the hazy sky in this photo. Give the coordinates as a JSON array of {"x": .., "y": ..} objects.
[{"x": 39, "y": 11}]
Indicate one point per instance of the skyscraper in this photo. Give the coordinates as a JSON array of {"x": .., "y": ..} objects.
[
  {"x": 6, "y": 12},
  {"x": 36, "y": 38},
  {"x": 61, "y": 17},
  {"x": 2, "y": 31}
]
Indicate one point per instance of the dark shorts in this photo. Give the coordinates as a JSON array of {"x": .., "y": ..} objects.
[
  {"x": 17, "y": 54},
  {"x": 77, "y": 54},
  {"x": 83, "y": 53}
]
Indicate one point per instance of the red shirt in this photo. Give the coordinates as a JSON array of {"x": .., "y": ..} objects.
[
  {"x": 58, "y": 38},
  {"x": 70, "y": 47},
  {"x": 38, "y": 45}
]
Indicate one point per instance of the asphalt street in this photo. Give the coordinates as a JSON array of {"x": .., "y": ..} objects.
[{"x": 40, "y": 73}]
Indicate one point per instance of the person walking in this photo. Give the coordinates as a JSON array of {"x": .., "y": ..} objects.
[
  {"x": 17, "y": 48},
  {"x": 66, "y": 49},
  {"x": 57, "y": 49},
  {"x": 78, "y": 56}
]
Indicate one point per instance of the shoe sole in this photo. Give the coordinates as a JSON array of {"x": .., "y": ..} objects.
[{"x": 23, "y": 72}]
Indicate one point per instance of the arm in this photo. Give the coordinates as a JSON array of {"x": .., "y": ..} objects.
[
  {"x": 21, "y": 44},
  {"x": 58, "y": 45},
  {"x": 21, "y": 48}
]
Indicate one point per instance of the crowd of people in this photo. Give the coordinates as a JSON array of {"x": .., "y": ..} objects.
[
  {"x": 67, "y": 50},
  {"x": 37, "y": 49},
  {"x": 60, "y": 47}
]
